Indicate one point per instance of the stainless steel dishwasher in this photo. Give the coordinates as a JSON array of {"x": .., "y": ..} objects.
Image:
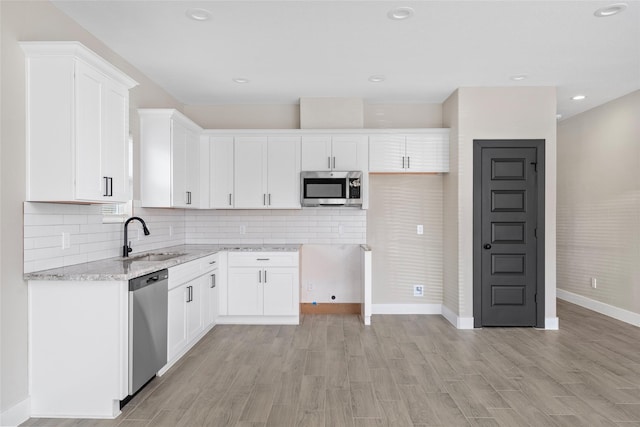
[{"x": 147, "y": 327}]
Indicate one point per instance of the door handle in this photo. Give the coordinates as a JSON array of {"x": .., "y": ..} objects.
[
  {"x": 334, "y": 162},
  {"x": 408, "y": 162},
  {"x": 259, "y": 276},
  {"x": 487, "y": 246},
  {"x": 229, "y": 199},
  {"x": 106, "y": 186},
  {"x": 213, "y": 280},
  {"x": 265, "y": 277},
  {"x": 329, "y": 162},
  {"x": 402, "y": 162}
]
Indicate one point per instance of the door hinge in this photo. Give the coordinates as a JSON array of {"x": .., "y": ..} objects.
[{"x": 535, "y": 166}]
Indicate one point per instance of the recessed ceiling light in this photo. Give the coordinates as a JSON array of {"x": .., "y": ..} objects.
[
  {"x": 400, "y": 13},
  {"x": 519, "y": 77},
  {"x": 198, "y": 14},
  {"x": 610, "y": 10},
  {"x": 578, "y": 97},
  {"x": 240, "y": 80},
  {"x": 377, "y": 78}
]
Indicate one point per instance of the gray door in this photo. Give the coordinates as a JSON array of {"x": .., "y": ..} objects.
[{"x": 507, "y": 257}]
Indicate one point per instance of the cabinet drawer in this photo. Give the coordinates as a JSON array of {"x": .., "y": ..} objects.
[
  {"x": 209, "y": 263},
  {"x": 263, "y": 259},
  {"x": 182, "y": 273}
]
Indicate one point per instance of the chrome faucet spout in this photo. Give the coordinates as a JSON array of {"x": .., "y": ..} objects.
[{"x": 126, "y": 248}]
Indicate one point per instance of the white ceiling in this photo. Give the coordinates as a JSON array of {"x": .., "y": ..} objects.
[{"x": 293, "y": 49}]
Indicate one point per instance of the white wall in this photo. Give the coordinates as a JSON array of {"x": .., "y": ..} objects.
[
  {"x": 503, "y": 113},
  {"x": 21, "y": 21},
  {"x": 599, "y": 203}
]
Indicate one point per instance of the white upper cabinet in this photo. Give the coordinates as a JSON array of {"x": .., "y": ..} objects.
[
  {"x": 417, "y": 153},
  {"x": 267, "y": 172},
  {"x": 221, "y": 172},
  {"x": 334, "y": 152},
  {"x": 170, "y": 149},
  {"x": 77, "y": 125}
]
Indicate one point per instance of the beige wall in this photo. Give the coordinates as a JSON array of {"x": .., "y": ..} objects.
[
  {"x": 450, "y": 226},
  {"x": 504, "y": 113},
  {"x": 599, "y": 203},
  {"x": 22, "y": 21},
  {"x": 265, "y": 116},
  {"x": 400, "y": 257},
  {"x": 245, "y": 116}
]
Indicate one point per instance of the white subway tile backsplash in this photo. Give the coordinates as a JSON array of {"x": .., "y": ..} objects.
[{"x": 92, "y": 240}]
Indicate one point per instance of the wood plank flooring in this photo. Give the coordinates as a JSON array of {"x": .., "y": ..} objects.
[{"x": 401, "y": 371}]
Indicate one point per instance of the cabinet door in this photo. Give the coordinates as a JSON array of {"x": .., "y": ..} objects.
[
  {"x": 283, "y": 172},
  {"x": 192, "y": 170},
  {"x": 178, "y": 165},
  {"x": 212, "y": 303},
  {"x": 177, "y": 321},
  {"x": 316, "y": 153},
  {"x": 346, "y": 151},
  {"x": 428, "y": 153},
  {"x": 244, "y": 291},
  {"x": 195, "y": 306},
  {"x": 280, "y": 287},
  {"x": 221, "y": 172},
  {"x": 387, "y": 153},
  {"x": 90, "y": 184},
  {"x": 115, "y": 147},
  {"x": 250, "y": 170}
]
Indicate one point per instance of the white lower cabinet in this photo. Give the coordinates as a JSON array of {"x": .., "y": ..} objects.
[
  {"x": 185, "y": 316},
  {"x": 193, "y": 303},
  {"x": 263, "y": 288}
]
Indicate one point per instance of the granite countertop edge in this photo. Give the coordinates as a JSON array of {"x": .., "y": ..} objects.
[{"x": 120, "y": 269}]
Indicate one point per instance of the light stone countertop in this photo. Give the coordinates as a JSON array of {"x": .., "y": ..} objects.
[{"x": 120, "y": 269}]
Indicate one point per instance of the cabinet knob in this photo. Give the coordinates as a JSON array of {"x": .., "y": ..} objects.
[{"x": 487, "y": 246}]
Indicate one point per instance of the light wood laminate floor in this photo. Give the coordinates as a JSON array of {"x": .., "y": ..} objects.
[{"x": 401, "y": 371}]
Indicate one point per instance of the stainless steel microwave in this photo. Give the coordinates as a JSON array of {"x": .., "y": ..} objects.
[{"x": 331, "y": 188}]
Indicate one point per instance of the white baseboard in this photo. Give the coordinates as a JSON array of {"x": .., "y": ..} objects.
[
  {"x": 455, "y": 320},
  {"x": 406, "y": 308},
  {"x": 447, "y": 313},
  {"x": 17, "y": 414},
  {"x": 551, "y": 323},
  {"x": 600, "y": 307}
]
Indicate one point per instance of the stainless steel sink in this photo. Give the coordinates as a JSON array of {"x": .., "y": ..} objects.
[{"x": 153, "y": 257}]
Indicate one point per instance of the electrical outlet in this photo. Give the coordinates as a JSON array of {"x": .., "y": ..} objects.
[
  {"x": 420, "y": 229},
  {"x": 418, "y": 290},
  {"x": 594, "y": 283}
]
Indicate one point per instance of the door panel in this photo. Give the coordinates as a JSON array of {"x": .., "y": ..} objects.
[
  {"x": 250, "y": 172},
  {"x": 508, "y": 220}
]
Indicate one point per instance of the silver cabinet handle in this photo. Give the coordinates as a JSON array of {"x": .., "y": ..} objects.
[
  {"x": 265, "y": 276},
  {"x": 269, "y": 199},
  {"x": 262, "y": 259},
  {"x": 408, "y": 162},
  {"x": 328, "y": 162},
  {"x": 259, "y": 276},
  {"x": 334, "y": 162},
  {"x": 106, "y": 186},
  {"x": 229, "y": 199},
  {"x": 402, "y": 162},
  {"x": 264, "y": 199},
  {"x": 213, "y": 280}
]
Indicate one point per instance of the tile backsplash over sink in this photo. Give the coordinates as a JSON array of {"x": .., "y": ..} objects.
[{"x": 90, "y": 239}]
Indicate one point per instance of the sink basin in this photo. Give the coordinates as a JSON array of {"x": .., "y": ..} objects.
[{"x": 152, "y": 257}]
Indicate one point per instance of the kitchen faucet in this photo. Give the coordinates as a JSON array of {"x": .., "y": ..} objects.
[{"x": 127, "y": 246}]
